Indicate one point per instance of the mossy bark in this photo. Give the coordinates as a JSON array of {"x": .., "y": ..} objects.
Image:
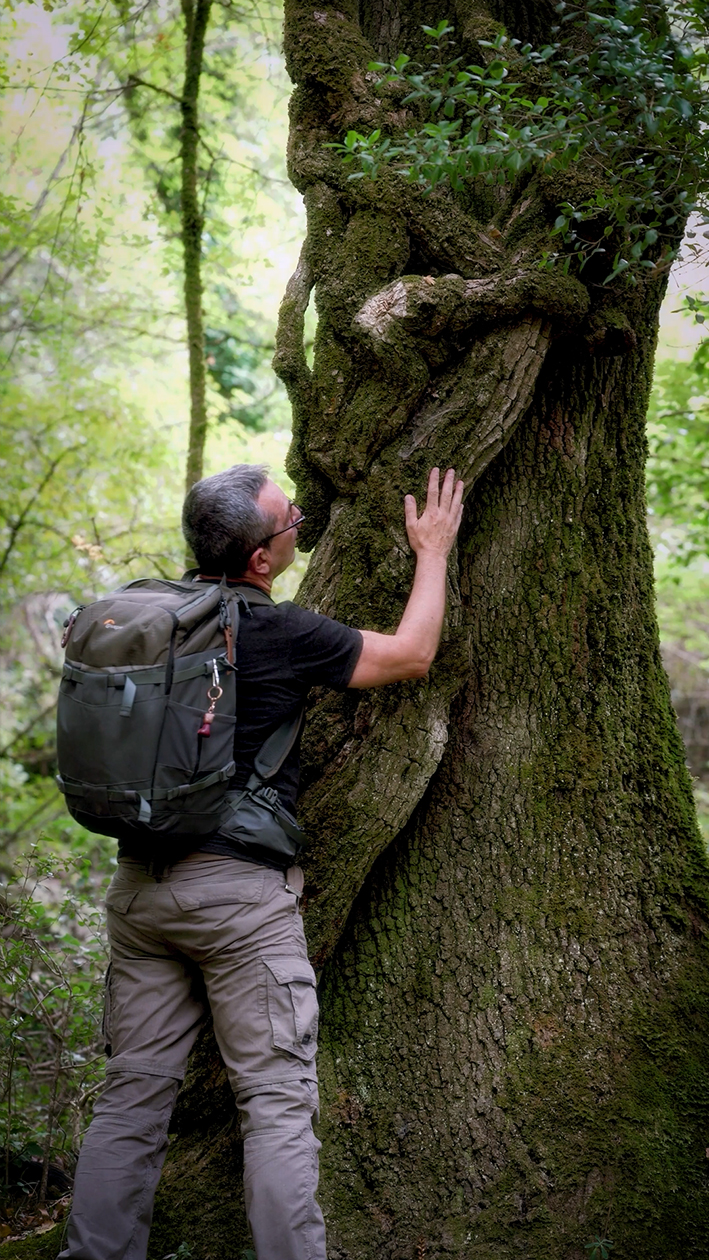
[
  {"x": 507, "y": 894},
  {"x": 515, "y": 1013}
]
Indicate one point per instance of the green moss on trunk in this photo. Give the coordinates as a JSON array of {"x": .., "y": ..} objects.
[{"x": 515, "y": 1015}]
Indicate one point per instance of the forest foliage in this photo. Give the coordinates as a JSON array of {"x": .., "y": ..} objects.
[
  {"x": 93, "y": 384},
  {"x": 94, "y": 401},
  {"x": 94, "y": 409}
]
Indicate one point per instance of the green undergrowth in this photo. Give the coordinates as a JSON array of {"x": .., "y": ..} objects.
[{"x": 38, "y": 1247}]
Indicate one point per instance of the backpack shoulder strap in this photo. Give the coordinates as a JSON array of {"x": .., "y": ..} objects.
[
  {"x": 251, "y": 594},
  {"x": 276, "y": 748}
]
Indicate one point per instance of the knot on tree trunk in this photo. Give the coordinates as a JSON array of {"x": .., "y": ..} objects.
[
  {"x": 429, "y": 308},
  {"x": 609, "y": 332}
]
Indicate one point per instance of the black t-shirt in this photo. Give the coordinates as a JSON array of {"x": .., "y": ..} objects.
[{"x": 282, "y": 651}]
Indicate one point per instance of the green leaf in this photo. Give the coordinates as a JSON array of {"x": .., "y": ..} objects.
[{"x": 617, "y": 270}]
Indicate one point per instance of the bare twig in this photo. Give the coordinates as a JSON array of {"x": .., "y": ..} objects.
[
  {"x": 134, "y": 80},
  {"x": 21, "y": 520},
  {"x": 42, "y": 713}
]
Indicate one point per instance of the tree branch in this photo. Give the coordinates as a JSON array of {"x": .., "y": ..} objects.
[
  {"x": 289, "y": 360},
  {"x": 42, "y": 713},
  {"x": 20, "y": 522},
  {"x": 134, "y": 80}
]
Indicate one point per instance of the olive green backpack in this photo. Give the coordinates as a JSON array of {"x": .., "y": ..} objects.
[{"x": 146, "y": 722}]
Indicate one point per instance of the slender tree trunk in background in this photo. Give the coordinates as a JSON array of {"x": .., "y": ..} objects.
[
  {"x": 507, "y": 893},
  {"x": 196, "y": 15}
]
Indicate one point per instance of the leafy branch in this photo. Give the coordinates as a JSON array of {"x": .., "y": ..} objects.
[{"x": 631, "y": 102}]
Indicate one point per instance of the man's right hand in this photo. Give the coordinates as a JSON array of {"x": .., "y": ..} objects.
[
  {"x": 436, "y": 528},
  {"x": 387, "y": 658}
]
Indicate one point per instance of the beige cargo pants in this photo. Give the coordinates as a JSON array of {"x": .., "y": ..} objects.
[{"x": 232, "y": 929}]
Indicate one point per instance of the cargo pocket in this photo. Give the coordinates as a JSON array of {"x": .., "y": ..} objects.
[
  {"x": 292, "y": 1006},
  {"x": 120, "y": 899},
  {"x": 107, "y": 1020}
]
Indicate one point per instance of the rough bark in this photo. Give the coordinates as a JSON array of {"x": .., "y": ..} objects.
[
  {"x": 196, "y": 20},
  {"x": 507, "y": 893}
]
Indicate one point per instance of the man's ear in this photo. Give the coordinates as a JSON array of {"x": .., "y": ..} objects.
[{"x": 259, "y": 562}]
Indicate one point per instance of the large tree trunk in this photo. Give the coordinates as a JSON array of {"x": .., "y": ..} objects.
[
  {"x": 508, "y": 886},
  {"x": 507, "y": 893}
]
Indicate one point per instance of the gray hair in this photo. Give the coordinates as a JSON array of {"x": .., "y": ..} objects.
[{"x": 222, "y": 522}]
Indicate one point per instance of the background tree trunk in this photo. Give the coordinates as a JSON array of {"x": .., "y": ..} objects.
[
  {"x": 507, "y": 893},
  {"x": 196, "y": 19}
]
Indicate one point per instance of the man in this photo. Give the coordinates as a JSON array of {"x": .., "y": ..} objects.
[{"x": 220, "y": 930}]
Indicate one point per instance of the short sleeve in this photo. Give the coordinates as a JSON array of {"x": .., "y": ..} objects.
[{"x": 323, "y": 652}]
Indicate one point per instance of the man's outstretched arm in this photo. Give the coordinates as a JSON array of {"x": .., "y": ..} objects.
[{"x": 388, "y": 658}]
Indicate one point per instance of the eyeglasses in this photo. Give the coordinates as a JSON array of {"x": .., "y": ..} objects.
[{"x": 293, "y": 525}]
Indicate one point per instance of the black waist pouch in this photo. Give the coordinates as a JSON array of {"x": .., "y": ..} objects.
[{"x": 256, "y": 816}]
